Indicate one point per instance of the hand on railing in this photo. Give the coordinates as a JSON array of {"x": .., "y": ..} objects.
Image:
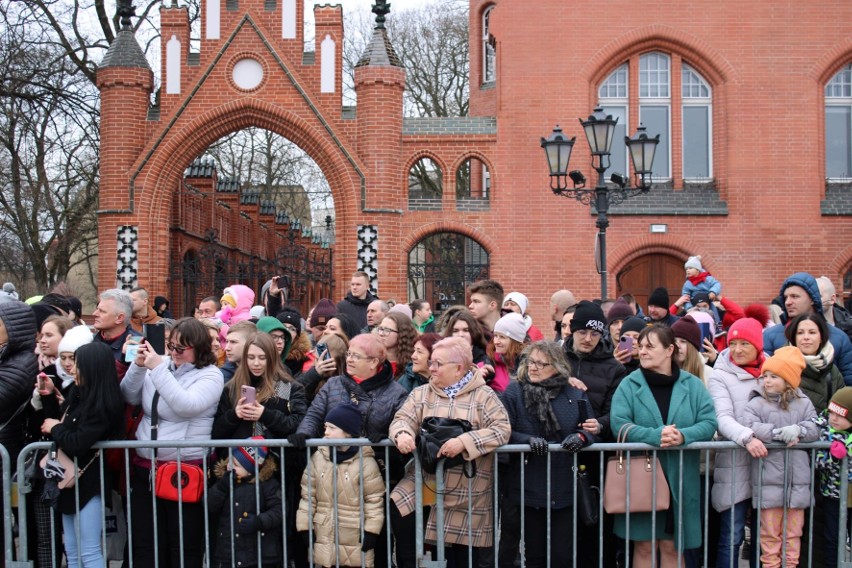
[
  {"x": 574, "y": 442},
  {"x": 538, "y": 446},
  {"x": 298, "y": 439}
]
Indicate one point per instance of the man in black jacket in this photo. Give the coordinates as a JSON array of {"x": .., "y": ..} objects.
[
  {"x": 595, "y": 370},
  {"x": 356, "y": 301}
]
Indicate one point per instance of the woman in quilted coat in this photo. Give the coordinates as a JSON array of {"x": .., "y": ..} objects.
[{"x": 337, "y": 488}]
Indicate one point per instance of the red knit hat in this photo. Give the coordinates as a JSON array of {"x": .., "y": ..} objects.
[{"x": 748, "y": 329}]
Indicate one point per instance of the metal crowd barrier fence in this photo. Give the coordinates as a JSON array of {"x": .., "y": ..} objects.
[{"x": 507, "y": 530}]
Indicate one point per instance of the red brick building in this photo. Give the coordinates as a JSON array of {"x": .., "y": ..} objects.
[{"x": 754, "y": 169}]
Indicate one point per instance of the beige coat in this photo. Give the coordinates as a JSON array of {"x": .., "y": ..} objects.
[
  {"x": 319, "y": 499},
  {"x": 479, "y": 405}
]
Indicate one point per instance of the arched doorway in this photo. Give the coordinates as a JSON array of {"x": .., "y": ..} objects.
[
  {"x": 442, "y": 265},
  {"x": 642, "y": 275}
]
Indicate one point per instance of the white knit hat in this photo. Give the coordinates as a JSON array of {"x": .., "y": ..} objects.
[
  {"x": 519, "y": 299},
  {"x": 512, "y": 326},
  {"x": 694, "y": 262},
  {"x": 75, "y": 338}
]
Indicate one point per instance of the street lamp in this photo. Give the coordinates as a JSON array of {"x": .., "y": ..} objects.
[{"x": 599, "y": 129}]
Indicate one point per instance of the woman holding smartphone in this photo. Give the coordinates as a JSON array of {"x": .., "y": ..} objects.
[{"x": 262, "y": 399}]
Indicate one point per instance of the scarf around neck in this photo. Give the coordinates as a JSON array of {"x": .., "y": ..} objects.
[
  {"x": 823, "y": 359},
  {"x": 537, "y": 397},
  {"x": 453, "y": 390}
]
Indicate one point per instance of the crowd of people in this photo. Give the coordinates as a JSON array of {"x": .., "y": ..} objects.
[{"x": 250, "y": 367}]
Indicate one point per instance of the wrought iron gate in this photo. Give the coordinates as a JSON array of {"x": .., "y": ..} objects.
[{"x": 442, "y": 265}]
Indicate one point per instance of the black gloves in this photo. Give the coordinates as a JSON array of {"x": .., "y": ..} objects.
[
  {"x": 305, "y": 536},
  {"x": 376, "y": 437},
  {"x": 370, "y": 541},
  {"x": 248, "y": 524},
  {"x": 298, "y": 440},
  {"x": 538, "y": 446},
  {"x": 574, "y": 442}
]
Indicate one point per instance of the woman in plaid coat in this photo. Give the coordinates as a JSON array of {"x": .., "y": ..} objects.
[{"x": 454, "y": 391}]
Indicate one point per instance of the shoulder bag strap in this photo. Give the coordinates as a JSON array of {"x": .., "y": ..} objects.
[
  {"x": 20, "y": 409},
  {"x": 155, "y": 419}
]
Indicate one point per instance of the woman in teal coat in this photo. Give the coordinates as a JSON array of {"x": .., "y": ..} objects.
[{"x": 668, "y": 407}]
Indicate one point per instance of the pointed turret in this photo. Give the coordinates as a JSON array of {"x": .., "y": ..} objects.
[{"x": 125, "y": 81}]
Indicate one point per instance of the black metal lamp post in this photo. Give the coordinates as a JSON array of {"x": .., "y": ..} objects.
[{"x": 599, "y": 129}]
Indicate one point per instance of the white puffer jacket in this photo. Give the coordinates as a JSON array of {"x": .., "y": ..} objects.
[
  {"x": 188, "y": 400},
  {"x": 730, "y": 387}
]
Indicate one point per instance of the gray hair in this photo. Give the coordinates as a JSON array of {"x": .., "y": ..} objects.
[
  {"x": 121, "y": 298},
  {"x": 554, "y": 354}
]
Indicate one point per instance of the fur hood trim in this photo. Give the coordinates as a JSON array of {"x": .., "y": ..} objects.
[
  {"x": 300, "y": 347},
  {"x": 267, "y": 470}
]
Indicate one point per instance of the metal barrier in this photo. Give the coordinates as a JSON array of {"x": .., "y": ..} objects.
[{"x": 502, "y": 534}]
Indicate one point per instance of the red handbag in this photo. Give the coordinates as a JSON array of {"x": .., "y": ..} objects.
[{"x": 185, "y": 483}]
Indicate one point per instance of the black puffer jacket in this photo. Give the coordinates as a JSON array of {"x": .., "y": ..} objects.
[
  {"x": 18, "y": 370},
  {"x": 601, "y": 374},
  {"x": 378, "y": 398}
]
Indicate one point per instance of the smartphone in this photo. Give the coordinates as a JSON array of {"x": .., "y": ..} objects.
[
  {"x": 706, "y": 333},
  {"x": 248, "y": 393},
  {"x": 41, "y": 377},
  {"x": 155, "y": 334},
  {"x": 130, "y": 353},
  {"x": 322, "y": 351},
  {"x": 625, "y": 343}
]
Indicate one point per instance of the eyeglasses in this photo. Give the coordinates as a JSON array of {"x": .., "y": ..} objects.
[
  {"x": 385, "y": 330},
  {"x": 179, "y": 349},
  {"x": 537, "y": 364},
  {"x": 357, "y": 356},
  {"x": 430, "y": 363},
  {"x": 277, "y": 336}
]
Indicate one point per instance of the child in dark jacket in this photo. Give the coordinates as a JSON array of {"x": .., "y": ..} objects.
[
  {"x": 251, "y": 513},
  {"x": 835, "y": 427}
]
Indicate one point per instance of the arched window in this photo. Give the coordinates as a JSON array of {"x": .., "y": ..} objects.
[
  {"x": 613, "y": 95},
  {"x": 489, "y": 50},
  {"x": 660, "y": 107},
  {"x": 425, "y": 185},
  {"x": 697, "y": 125},
  {"x": 846, "y": 299},
  {"x": 838, "y": 126},
  {"x": 442, "y": 265},
  {"x": 473, "y": 182},
  {"x": 655, "y": 106}
]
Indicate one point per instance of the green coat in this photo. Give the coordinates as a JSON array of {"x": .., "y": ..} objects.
[{"x": 692, "y": 411}]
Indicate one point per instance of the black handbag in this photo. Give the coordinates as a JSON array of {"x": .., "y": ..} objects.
[
  {"x": 434, "y": 432},
  {"x": 588, "y": 498}
]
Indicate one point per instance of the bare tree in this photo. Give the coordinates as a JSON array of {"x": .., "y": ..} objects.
[
  {"x": 432, "y": 42},
  {"x": 276, "y": 168},
  {"x": 48, "y": 155}
]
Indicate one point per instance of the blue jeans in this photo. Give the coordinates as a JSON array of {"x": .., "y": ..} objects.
[
  {"x": 86, "y": 552},
  {"x": 728, "y": 555}
]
